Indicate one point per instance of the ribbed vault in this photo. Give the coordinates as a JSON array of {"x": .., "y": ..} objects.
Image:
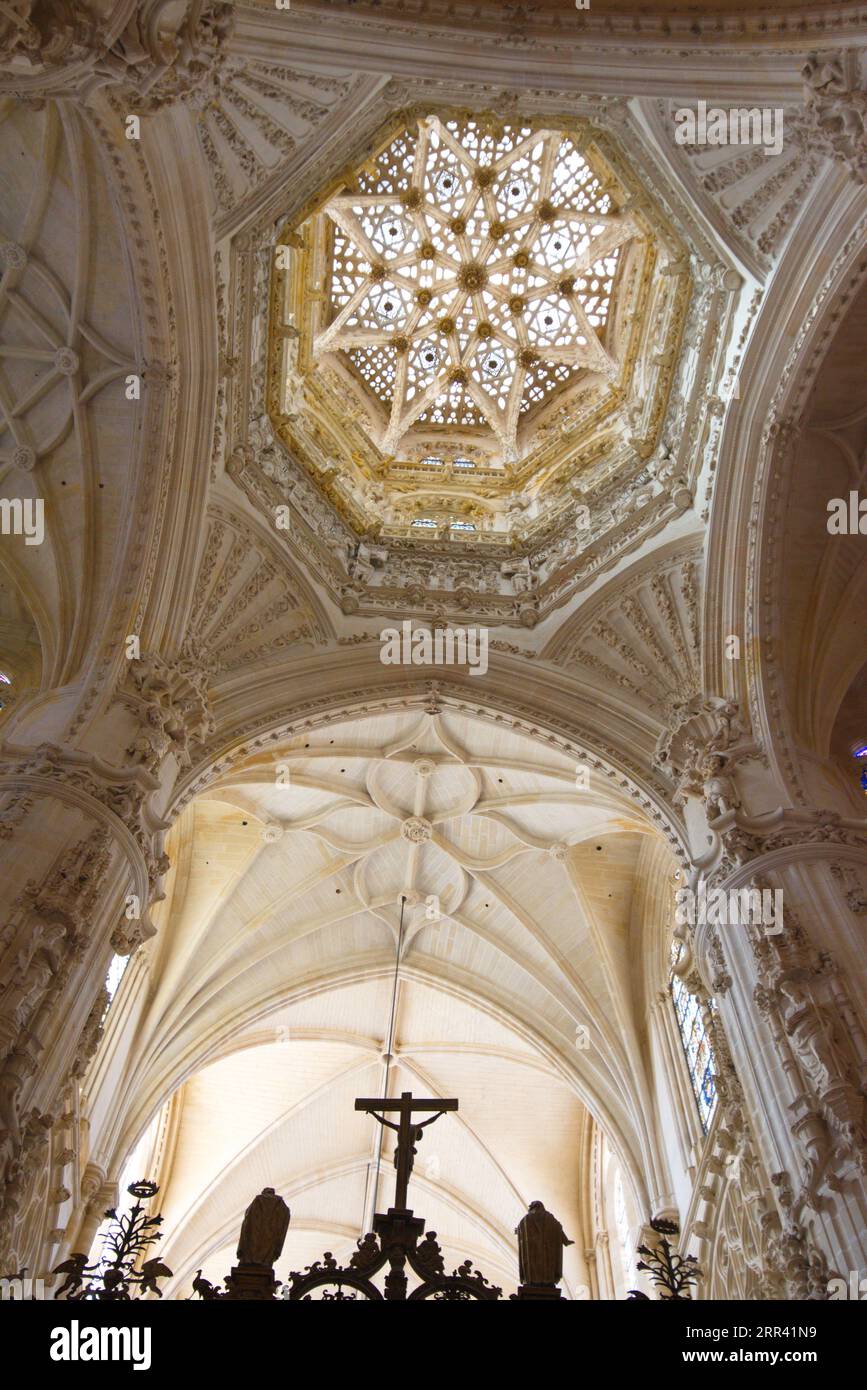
[{"x": 527, "y": 896}]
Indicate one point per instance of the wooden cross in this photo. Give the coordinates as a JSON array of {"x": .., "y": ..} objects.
[{"x": 408, "y": 1133}]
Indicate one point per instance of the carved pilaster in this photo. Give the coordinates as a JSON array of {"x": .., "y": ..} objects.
[
  {"x": 822, "y": 1049},
  {"x": 97, "y": 1195},
  {"x": 43, "y": 945}
]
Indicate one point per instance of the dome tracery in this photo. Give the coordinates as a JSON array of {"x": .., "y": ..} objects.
[
  {"x": 471, "y": 276},
  {"x": 482, "y": 297},
  {"x": 597, "y": 463}
]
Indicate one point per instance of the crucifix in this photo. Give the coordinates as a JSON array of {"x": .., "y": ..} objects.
[{"x": 408, "y": 1132}]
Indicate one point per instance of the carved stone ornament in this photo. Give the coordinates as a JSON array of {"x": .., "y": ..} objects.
[
  {"x": 696, "y": 751},
  {"x": 852, "y": 887},
  {"x": 823, "y": 1051},
  {"x": 160, "y": 53},
  {"x": 836, "y": 109},
  {"x": 49, "y": 770},
  {"x": 416, "y": 829},
  {"x": 173, "y": 705},
  {"x": 41, "y": 946}
]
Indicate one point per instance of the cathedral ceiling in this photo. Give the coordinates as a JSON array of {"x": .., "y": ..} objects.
[
  {"x": 69, "y": 333},
  {"x": 277, "y": 936},
  {"x": 825, "y": 584},
  {"x": 607, "y": 462},
  {"x": 478, "y": 293},
  {"x": 526, "y": 895},
  {"x": 501, "y": 477}
]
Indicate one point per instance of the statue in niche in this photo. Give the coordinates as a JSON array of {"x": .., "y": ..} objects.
[
  {"x": 263, "y": 1232},
  {"x": 814, "y": 1037},
  {"x": 541, "y": 1240},
  {"x": 35, "y": 971},
  {"x": 520, "y": 574}
]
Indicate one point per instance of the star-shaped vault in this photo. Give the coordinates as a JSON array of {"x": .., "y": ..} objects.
[{"x": 471, "y": 274}]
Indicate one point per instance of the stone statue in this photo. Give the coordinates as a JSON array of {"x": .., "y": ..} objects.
[
  {"x": 263, "y": 1232},
  {"x": 541, "y": 1239},
  {"x": 814, "y": 1036},
  {"x": 720, "y": 792}
]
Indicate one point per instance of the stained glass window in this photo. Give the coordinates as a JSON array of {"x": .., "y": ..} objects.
[
  {"x": 696, "y": 1046},
  {"x": 861, "y": 754}
]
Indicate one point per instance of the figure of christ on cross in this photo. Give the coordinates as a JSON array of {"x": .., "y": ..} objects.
[{"x": 408, "y": 1133}]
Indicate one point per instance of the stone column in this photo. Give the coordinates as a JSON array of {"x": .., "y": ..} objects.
[
  {"x": 81, "y": 863},
  {"x": 776, "y": 892},
  {"x": 97, "y": 1196}
]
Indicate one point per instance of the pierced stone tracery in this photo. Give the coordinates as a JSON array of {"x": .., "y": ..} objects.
[
  {"x": 471, "y": 275},
  {"x": 497, "y": 300}
]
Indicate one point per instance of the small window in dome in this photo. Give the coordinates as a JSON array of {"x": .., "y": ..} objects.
[
  {"x": 112, "y": 980},
  {"x": 464, "y": 463},
  {"x": 462, "y": 526},
  {"x": 4, "y": 679},
  {"x": 424, "y": 521},
  {"x": 446, "y": 183},
  {"x": 433, "y": 461},
  {"x": 493, "y": 364}
]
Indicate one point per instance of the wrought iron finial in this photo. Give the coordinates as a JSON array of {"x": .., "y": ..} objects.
[{"x": 673, "y": 1273}]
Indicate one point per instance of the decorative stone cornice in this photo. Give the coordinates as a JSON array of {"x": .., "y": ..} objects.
[
  {"x": 537, "y": 33},
  {"x": 749, "y": 840}
]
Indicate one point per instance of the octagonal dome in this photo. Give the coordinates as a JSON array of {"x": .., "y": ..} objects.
[
  {"x": 473, "y": 313},
  {"x": 469, "y": 280}
]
